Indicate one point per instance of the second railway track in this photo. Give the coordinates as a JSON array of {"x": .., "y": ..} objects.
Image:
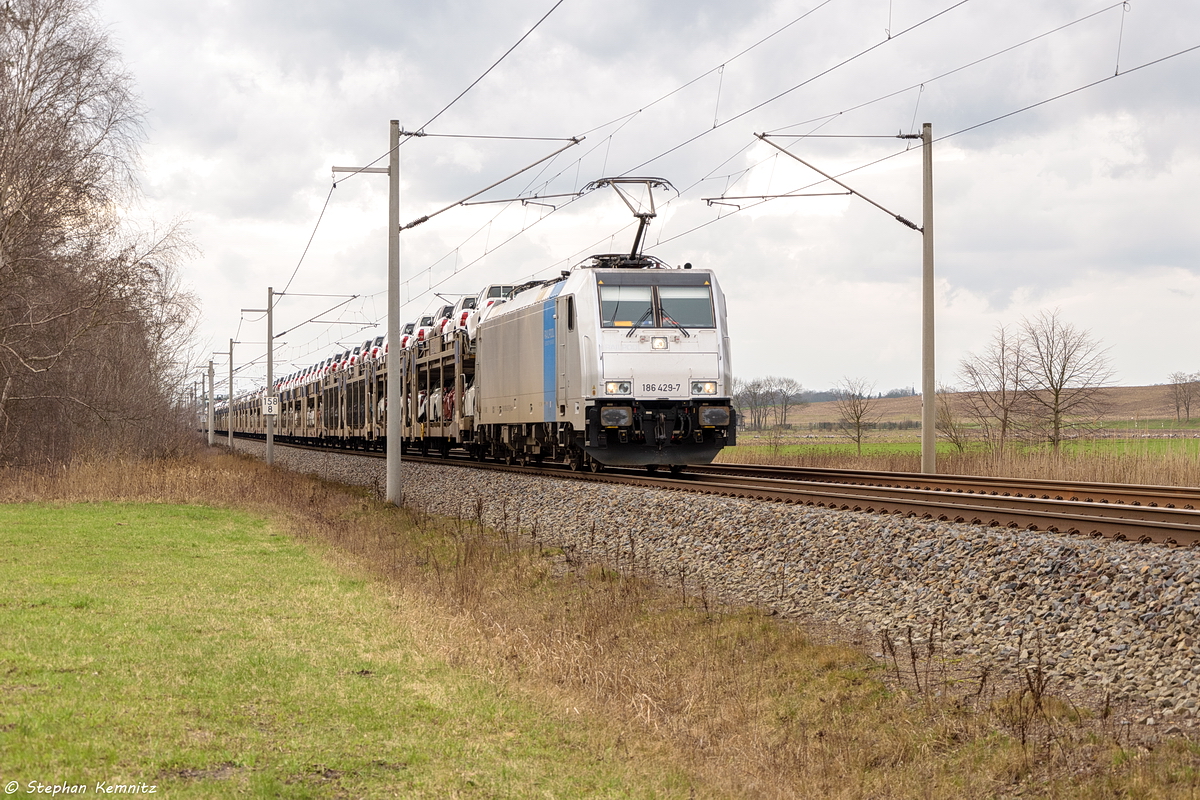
[{"x": 1148, "y": 514}]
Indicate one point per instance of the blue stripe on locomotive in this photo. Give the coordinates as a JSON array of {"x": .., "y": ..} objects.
[{"x": 549, "y": 354}]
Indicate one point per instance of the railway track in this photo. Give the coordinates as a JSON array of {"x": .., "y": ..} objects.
[{"x": 1149, "y": 514}]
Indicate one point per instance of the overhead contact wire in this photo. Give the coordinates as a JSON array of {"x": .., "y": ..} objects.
[
  {"x": 950, "y": 135},
  {"x": 434, "y": 117},
  {"x": 974, "y": 63},
  {"x": 625, "y": 119},
  {"x": 800, "y": 85}
]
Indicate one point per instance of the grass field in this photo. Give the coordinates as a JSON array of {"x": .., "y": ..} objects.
[
  {"x": 305, "y": 640},
  {"x": 1148, "y": 459},
  {"x": 1139, "y": 440},
  {"x": 200, "y": 651}
]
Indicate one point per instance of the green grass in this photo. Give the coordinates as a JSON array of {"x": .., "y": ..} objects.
[
  {"x": 197, "y": 650},
  {"x": 833, "y": 447},
  {"x": 1154, "y": 424},
  {"x": 1146, "y": 447}
]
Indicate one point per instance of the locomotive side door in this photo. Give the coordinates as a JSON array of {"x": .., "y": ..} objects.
[{"x": 569, "y": 374}]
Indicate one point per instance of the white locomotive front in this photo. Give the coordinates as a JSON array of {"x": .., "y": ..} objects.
[{"x": 623, "y": 361}]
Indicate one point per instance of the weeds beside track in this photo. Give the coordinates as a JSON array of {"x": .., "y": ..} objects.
[{"x": 747, "y": 705}]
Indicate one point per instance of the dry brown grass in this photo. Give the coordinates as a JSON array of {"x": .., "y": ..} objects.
[
  {"x": 1166, "y": 469},
  {"x": 1144, "y": 456},
  {"x": 1124, "y": 403},
  {"x": 748, "y": 705}
]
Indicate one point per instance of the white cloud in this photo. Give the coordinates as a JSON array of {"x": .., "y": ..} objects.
[{"x": 1084, "y": 203}]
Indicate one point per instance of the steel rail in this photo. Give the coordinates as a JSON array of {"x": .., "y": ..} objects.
[
  {"x": 1120, "y": 522},
  {"x": 1022, "y": 510},
  {"x": 1118, "y": 493},
  {"x": 991, "y": 502}
]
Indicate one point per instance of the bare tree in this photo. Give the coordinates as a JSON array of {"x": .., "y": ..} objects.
[
  {"x": 1047, "y": 381},
  {"x": 950, "y": 425},
  {"x": 783, "y": 394},
  {"x": 994, "y": 395},
  {"x": 752, "y": 401},
  {"x": 1185, "y": 389},
  {"x": 856, "y": 409},
  {"x": 91, "y": 315},
  {"x": 1063, "y": 377}
]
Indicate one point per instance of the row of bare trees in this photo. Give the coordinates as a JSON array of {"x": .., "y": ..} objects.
[
  {"x": 94, "y": 325},
  {"x": 1041, "y": 382},
  {"x": 765, "y": 402},
  {"x": 1185, "y": 393}
]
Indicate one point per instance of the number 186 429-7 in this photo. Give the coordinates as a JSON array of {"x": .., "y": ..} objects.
[{"x": 661, "y": 388}]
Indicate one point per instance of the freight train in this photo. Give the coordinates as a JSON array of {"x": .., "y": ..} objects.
[{"x": 622, "y": 360}]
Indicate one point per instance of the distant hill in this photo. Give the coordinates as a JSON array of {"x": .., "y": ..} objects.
[{"x": 1127, "y": 402}]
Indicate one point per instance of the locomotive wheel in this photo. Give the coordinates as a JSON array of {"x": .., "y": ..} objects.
[
  {"x": 444, "y": 450},
  {"x": 575, "y": 462}
]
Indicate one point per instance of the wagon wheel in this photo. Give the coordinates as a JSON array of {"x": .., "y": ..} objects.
[
  {"x": 652, "y": 468},
  {"x": 594, "y": 465},
  {"x": 677, "y": 469}
]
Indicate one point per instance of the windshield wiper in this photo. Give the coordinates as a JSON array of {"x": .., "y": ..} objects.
[
  {"x": 638, "y": 324},
  {"x": 667, "y": 318}
]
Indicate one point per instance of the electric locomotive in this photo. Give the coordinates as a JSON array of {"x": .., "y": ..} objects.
[{"x": 622, "y": 361}]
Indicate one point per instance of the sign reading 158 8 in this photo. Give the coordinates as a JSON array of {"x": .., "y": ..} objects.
[{"x": 270, "y": 406}]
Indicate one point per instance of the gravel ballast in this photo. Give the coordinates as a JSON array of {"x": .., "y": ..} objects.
[{"x": 1105, "y": 619}]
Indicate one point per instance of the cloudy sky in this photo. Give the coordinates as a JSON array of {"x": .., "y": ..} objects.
[{"x": 1086, "y": 204}]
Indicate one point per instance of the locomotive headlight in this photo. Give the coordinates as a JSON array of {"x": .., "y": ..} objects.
[
  {"x": 714, "y": 416},
  {"x": 616, "y": 416},
  {"x": 617, "y": 387},
  {"x": 658, "y": 343},
  {"x": 704, "y": 387}
]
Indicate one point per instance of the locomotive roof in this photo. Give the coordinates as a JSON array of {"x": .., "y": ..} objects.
[{"x": 625, "y": 261}]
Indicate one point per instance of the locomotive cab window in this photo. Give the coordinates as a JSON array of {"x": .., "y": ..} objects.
[
  {"x": 686, "y": 306},
  {"x": 623, "y": 306},
  {"x": 626, "y": 306}
]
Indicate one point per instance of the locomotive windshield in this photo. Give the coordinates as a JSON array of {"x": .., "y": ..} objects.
[
  {"x": 687, "y": 306},
  {"x": 625, "y": 306}
]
